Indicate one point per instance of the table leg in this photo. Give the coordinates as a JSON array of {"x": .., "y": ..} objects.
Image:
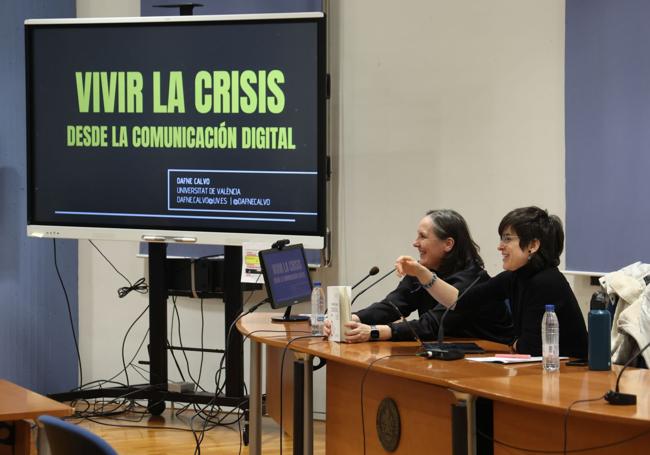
[
  {"x": 468, "y": 404},
  {"x": 308, "y": 418},
  {"x": 255, "y": 399}
]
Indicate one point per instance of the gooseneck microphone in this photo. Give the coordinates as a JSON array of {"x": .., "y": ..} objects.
[
  {"x": 403, "y": 319},
  {"x": 374, "y": 283},
  {"x": 616, "y": 397},
  {"x": 441, "y": 327},
  {"x": 372, "y": 272},
  {"x": 430, "y": 352}
]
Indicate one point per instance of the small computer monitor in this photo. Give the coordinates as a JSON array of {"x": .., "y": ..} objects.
[{"x": 286, "y": 277}]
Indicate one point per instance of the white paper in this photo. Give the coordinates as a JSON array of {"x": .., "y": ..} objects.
[
  {"x": 338, "y": 310},
  {"x": 251, "y": 270},
  {"x": 508, "y": 360}
]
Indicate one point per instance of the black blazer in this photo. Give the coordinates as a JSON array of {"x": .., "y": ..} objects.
[
  {"x": 490, "y": 322},
  {"x": 529, "y": 291}
]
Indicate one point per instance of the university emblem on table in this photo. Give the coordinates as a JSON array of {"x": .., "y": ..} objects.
[{"x": 388, "y": 424}]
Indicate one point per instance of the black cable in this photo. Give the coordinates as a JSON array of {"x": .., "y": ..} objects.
[
  {"x": 124, "y": 368},
  {"x": 564, "y": 450},
  {"x": 285, "y": 332},
  {"x": 363, "y": 380},
  {"x": 241, "y": 436},
  {"x": 115, "y": 400},
  {"x": 139, "y": 286},
  {"x": 137, "y": 370},
  {"x": 102, "y": 382},
  {"x": 180, "y": 342},
  {"x": 198, "y": 438},
  {"x": 200, "y": 435},
  {"x": 67, "y": 301},
  {"x": 566, "y": 420},
  {"x": 170, "y": 342},
  {"x": 146, "y": 427},
  {"x": 628, "y": 363},
  {"x": 218, "y": 385},
  {"x": 109, "y": 262},
  {"x": 202, "y": 353},
  {"x": 144, "y": 338}
]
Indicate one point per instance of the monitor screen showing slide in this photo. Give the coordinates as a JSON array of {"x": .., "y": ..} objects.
[
  {"x": 160, "y": 126},
  {"x": 286, "y": 275}
]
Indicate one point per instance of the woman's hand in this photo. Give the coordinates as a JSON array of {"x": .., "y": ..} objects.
[
  {"x": 406, "y": 265},
  {"x": 357, "y": 332},
  {"x": 443, "y": 292},
  {"x": 327, "y": 328}
]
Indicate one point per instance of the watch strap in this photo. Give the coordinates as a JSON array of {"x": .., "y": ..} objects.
[{"x": 429, "y": 283}]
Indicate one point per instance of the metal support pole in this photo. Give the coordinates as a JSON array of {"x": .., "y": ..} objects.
[
  {"x": 308, "y": 401},
  {"x": 467, "y": 403},
  {"x": 255, "y": 400},
  {"x": 298, "y": 406}
]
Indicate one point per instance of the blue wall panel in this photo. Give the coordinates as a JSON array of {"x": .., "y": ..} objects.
[
  {"x": 36, "y": 347},
  {"x": 607, "y": 96}
]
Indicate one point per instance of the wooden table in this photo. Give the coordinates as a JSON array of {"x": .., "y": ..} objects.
[
  {"x": 523, "y": 399},
  {"x": 18, "y": 404},
  {"x": 529, "y": 411},
  {"x": 398, "y": 371}
]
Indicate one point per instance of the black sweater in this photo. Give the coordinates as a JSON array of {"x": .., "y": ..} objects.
[
  {"x": 491, "y": 322},
  {"x": 529, "y": 291}
]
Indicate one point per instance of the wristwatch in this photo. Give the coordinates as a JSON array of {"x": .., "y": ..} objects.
[{"x": 374, "y": 333}]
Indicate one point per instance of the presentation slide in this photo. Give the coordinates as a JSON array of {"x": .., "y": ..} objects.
[{"x": 206, "y": 125}]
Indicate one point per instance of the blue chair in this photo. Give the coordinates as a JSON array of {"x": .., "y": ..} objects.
[{"x": 66, "y": 438}]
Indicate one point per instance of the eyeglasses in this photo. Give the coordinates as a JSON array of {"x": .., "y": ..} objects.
[{"x": 507, "y": 238}]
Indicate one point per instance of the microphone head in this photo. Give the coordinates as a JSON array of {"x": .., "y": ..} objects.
[{"x": 373, "y": 271}]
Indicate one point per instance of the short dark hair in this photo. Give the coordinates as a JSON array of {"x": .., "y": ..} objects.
[
  {"x": 530, "y": 223},
  {"x": 449, "y": 223}
]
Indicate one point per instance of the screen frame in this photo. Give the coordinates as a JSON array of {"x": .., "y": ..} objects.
[
  {"x": 267, "y": 283},
  {"x": 99, "y": 231}
]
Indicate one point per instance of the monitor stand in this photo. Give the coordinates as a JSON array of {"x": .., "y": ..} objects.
[{"x": 287, "y": 317}]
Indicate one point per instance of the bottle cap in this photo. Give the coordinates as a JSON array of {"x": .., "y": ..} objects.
[
  {"x": 598, "y": 301},
  {"x": 550, "y": 308},
  {"x": 316, "y": 283}
]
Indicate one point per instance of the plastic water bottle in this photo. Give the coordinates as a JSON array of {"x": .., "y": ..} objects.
[
  {"x": 599, "y": 320},
  {"x": 318, "y": 307},
  {"x": 550, "y": 340}
]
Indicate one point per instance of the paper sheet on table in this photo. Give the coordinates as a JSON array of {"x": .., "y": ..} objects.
[{"x": 508, "y": 360}]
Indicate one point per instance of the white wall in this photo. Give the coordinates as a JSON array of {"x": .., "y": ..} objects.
[
  {"x": 436, "y": 104},
  {"x": 102, "y": 8},
  {"x": 456, "y": 104}
]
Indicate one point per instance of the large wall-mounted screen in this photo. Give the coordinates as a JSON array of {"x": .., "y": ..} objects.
[{"x": 208, "y": 129}]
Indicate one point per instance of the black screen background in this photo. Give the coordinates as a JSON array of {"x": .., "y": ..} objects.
[{"x": 129, "y": 181}]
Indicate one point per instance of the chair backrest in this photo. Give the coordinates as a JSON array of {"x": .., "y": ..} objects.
[{"x": 66, "y": 438}]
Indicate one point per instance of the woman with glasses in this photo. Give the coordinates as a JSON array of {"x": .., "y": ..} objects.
[
  {"x": 445, "y": 248},
  {"x": 530, "y": 246}
]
